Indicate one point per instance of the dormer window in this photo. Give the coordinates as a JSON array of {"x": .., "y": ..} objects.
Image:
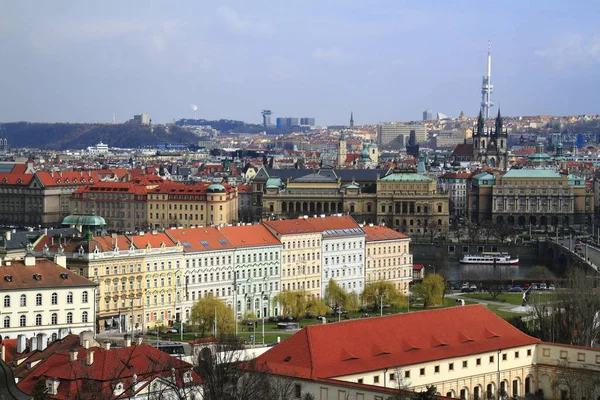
[
  {"x": 37, "y": 277},
  {"x": 19, "y": 181},
  {"x": 64, "y": 275},
  {"x": 52, "y": 386},
  {"x": 58, "y": 181},
  {"x": 4, "y": 180},
  {"x": 82, "y": 180},
  {"x": 66, "y": 180},
  {"x": 8, "y": 278},
  {"x": 118, "y": 390}
]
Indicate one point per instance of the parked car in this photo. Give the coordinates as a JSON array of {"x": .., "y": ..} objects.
[
  {"x": 526, "y": 286},
  {"x": 551, "y": 287},
  {"x": 535, "y": 286},
  {"x": 543, "y": 286},
  {"x": 154, "y": 333},
  {"x": 516, "y": 289},
  {"x": 172, "y": 330}
]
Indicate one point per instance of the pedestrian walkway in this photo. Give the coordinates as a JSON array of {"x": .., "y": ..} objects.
[{"x": 486, "y": 303}]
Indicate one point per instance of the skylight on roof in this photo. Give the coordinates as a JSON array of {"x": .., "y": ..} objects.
[
  {"x": 223, "y": 242},
  {"x": 204, "y": 243},
  {"x": 186, "y": 245}
]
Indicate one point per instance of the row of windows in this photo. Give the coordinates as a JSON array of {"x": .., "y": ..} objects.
[
  {"x": 292, "y": 244},
  {"x": 254, "y": 257},
  {"x": 301, "y": 271},
  {"x": 391, "y": 274},
  {"x": 342, "y": 246},
  {"x": 39, "y": 299},
  {"x": 343, "y": 258},
  {"x": 388, "y": 262},
  {"x": 209, "y": 261},
  {"x": 39, "y": 320},
  {"x": 388, "y": 249},
  {"x": 312, "y": 284},
  {"x": 303, "y": 258},
  {"x": 336, "y": 273}
]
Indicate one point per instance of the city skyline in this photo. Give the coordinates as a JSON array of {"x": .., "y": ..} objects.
[{"x": 84, "y": 62}]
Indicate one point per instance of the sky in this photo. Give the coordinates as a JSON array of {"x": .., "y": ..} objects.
[{"x": 82, "y": 61}]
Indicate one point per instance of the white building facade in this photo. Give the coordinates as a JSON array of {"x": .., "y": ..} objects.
[
  {"x": 42, "y": 297},
  {"x": 343, "y": 259}
]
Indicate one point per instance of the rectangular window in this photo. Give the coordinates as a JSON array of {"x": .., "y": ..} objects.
[
  {"x": 546, "y": 352},
  {"x": 478, "y": 361},
  {"x": 297, "y": 391},
  {"x": 422, "y": 372},
  {"x": 528, "y": 352},
  {"x": 580, "y": 356},
  {"x": 465, "y": 364},
  {"x": 392, "y": 377},
  {"x": 563, "y": 354},
  {"x": 376, "y": 379},
  {"x": 516, "y": 354},
  {"x": 436, "y": 369},
  {"x": 491, "y": 359},
  {"x": 451, "y": 367},
  {"x": 504, "y": 357},
  {"x": 407, "y": 374}
]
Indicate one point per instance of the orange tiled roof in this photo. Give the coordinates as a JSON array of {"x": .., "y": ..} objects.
[
  {"x": 200, "y": 239},
  {"x": 371, "y": 344},
  {"x": 67, "y": 178},
  {"x": 377, "y": 233},
  {"x": 155, "y": 239},
  {"x": 249, "y": 235},
  {"x": 15, "y": 179},
  {"x": 44, "y": 274},
  {"x": 332, "y": 223},
  {"x": 291, "y": 226}
]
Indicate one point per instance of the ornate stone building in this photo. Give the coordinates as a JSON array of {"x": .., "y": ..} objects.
[{"x": 530, "y": 196}]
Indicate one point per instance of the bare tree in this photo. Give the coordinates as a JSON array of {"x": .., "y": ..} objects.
[
  {"x": 577, "y": 382},
  {"x": 570, "y": 316},
  {"x": 494, "y": 290}
]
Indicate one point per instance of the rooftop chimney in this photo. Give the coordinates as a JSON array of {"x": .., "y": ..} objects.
[
  {"x": 90, "y": 358},
  {"x": 73, "y": 355},
  {"x": 29, "y": 261},
  {"x": 21, "y": 343},
  {"x": 106, "y": 345},
  {"x": 86, "y": 344},
  {"x": 8, "y": 235},
  {"x": 33, "y": 344},
  {"x": 3, "y": 353},
  {"x": 42, "y": 341},
  {"x": 127, "y": 341},
  {"x": 60, "y": 260},
  {"x": 140, "y": 340}
]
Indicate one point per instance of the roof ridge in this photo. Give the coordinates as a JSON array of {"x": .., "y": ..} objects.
[{"x": 310, "y": 352}]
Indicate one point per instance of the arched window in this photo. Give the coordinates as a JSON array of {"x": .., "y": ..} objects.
[
  {"x": 38, "y": 299},
  {"x": 7, "y": 322},
  {"x": 38, "y": 320},
  {"x": 84, "y": 297},
  {"x": 70, "y": 298},
  {"x": 54, "y": 319},
  {"x": 54, "y": 298},
  {"x": 84, "y": 316},
  {"x": 22, "y": 320},
  {"x": 23, "y": 301},
  {"x": 6, "y": 301},
  {"x": 69, "y": 318}
]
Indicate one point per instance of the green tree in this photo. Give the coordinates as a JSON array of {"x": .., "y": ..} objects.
[
  {"x": 40, "y": 392},
  {"x": 335, "y": 296},
  {"x": 317, "y": 307},
  {"x": 352, "y": 302},
  {"x": 204, "y": 313},
  {"x": 391, "y": 295},
  {"x": 431, "y": 290},
  {"x": 293, "y": 303}
]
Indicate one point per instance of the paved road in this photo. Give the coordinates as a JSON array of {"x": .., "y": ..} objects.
[
  {"x": 588, "y": 252},
  {"x": 502, "y": 306}
]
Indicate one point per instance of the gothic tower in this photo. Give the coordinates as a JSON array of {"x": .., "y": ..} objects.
[
  {"x": 342, "y": 151},
  {"x": 490, "y": 146},
  {"x": 351, "y": 119}
]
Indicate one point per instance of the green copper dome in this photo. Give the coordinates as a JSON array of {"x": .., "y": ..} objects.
[
  {"x": 84, "y": 220},
  {"x": 216, "y": 188}
]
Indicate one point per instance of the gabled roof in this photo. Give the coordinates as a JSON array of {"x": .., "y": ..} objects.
[
  {"x": 344, "y": 224},
  {"x": 463, "y": 149},
  {"x": 377, "y": 233},
  {"x": 200, "y": 239},
  {"x": 67, "y": 178},
  {"x": 44, "y": 274},
  {"x": 249, "y": 236},
  {"x": 15, "y": 179},
  {"x": 154, "y": 239},
  {"x": 360, "y": 345},
  {"x": 291, "y": 226}
]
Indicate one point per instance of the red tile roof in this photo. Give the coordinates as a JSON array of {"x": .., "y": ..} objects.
[
  {"x": 108, "y": 368},
  {"x": 113, "y": 187},
  {"x": 19, "y": 169},
  {"x": 356, "y": 346},
  {"x": 291, "y": 226},
  {"x": 193, "y": 239},
  {"x": 15, "y": 179},
  {"x": 377, "y": 233},
  {"x": 244, "y": 189},
  {"x": 249, "y": 236},
  {"x": 332, "y": 223},
  {"x": 44, "y": 274},
  {"x": 155, "y": 239},
  {"x": 418, "y": 267},
  {"x": 67, "y": 178}
]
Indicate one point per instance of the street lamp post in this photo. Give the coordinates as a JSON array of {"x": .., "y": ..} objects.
[{"x": 381, "y": 304}]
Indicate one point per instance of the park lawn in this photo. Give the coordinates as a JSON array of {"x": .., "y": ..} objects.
[
  {"x": 510, "y": 298},
  {"x": 270, "y": 337},
  {"x": 503, "y": 314}
]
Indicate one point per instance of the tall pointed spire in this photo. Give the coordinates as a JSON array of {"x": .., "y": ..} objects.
[
  {"x": 351, "y": 119},
  {"x": 480, "y": 123},
  {"x": 499, "y": 127}
]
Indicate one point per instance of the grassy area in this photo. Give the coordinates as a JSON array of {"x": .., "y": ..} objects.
[
  {"x": 510, "y": 298},
  {"x": 503, "y": 314}
]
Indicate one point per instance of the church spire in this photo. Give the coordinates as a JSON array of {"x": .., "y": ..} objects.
[
  {"x": 499, "y": 129},
  {"x": 351, "y": 119},
  {"x": 480, "y": 124}
]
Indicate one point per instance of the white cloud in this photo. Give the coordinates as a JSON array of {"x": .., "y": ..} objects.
[
  {"x": 332, "y": 54},
  {"x": 572, "y": 49},
  {"x": 246, "y": 24}
]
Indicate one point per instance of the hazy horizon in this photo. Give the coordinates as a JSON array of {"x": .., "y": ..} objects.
[{"x": 385, "y": 61}]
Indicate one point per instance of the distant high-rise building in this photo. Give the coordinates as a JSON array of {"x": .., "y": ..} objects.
[
  {"x": 486, "y": 86},
  {"x": 307, "y": 121},
  {"x": 351, "y": 119},
  {"x": 266, "y": 114},
  {"x": 286, "y": 122},
  {"x": 399, "y": 133},
  {"x": 427, "y": 115},
  {"x": 141, "y": 119}
]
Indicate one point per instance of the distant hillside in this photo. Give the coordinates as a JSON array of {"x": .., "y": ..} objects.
[
  {"x": 63, "y": 136},
  {"x": 78, "y": 136}
]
